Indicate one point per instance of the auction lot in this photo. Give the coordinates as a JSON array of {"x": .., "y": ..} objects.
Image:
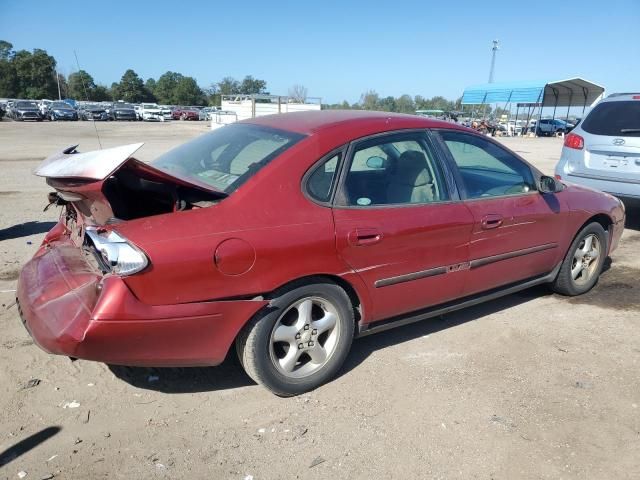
[{"x": 533, "y": 385}]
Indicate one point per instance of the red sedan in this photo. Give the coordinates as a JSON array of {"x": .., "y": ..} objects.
[{"x": 290, "y": 235}]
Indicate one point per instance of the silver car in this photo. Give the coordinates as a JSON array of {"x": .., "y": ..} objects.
[{"x": 603, "y": 151}]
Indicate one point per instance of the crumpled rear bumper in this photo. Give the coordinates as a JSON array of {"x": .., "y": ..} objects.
[{"x": 71, "y": 309}]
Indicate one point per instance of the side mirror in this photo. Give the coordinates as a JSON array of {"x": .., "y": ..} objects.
[
  {"x": 549, "y": 185},
  {"x": 375, "y": 163}
]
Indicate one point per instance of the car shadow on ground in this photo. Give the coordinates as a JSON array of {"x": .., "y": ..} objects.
[
  {"x": 633, "y": 218},
  {"x": 25, "y": 229},
  {"x": 230, "y": 374},
  {"x": 365, "y": 346}
]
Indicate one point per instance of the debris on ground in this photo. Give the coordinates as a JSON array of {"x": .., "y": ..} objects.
[
  {"x": 73, "y": 404},
  {"x": 22, "y": 474},
  {"x": 317, "y": 461},
  {"x": 34, "y": 382}
]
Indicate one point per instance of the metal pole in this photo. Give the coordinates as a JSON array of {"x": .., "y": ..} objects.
[
  {"x": 58, "y": 80},
  {"x": 570, "y": 100},
  {"x": 493, "y": 60},
  {"x": 541, "y": 107},
  {"x": 555, "y": 94},
  {"x": 515, "y": 127}
]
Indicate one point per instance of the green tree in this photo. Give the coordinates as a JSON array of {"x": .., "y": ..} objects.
[
  {"x": 81, "y": 85},
  {"x": 64, "y": 86},
  {"x": 250, "y": 86},
  {"x": 36, "y": 74},
  {"x": 228, "y": 86},
  {"x": 131, "y": 88},
  {"x": 101, "y": 93},
  {"x": 114, "y": 91},
  {"x": 165, "y": 88},
  {"x": 6, "y": 50},
  {"x": 187, "y": 92},
  {"x": 369, "y": 100},
  {"x": 404, "y": 104},
  {"x": 150, "y": 85}
]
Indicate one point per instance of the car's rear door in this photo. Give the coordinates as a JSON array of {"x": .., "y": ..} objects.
[
  {"x": 400, "y": 225},
  {"x": 517, "y": 230}
]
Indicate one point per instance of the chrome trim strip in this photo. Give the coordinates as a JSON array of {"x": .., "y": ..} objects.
[
  {"x": 431, "y": 272},
  {"x": 479, "y": 262}
]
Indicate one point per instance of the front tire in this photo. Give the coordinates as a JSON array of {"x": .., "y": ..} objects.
[
  {"x": 583, "y": 263},
  {"x": 300, "y": 340}
]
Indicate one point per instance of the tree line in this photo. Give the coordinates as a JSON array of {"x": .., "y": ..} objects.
[
  {"x": 371, "y": 100},
  {"x": 33, "y": 75}
]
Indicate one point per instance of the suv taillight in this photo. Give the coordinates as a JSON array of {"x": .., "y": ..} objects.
[{"x": 574, "y": 141}]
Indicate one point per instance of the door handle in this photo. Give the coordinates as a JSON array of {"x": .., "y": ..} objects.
[
  {"x": 364, "y": 236},
  {"x": 493, "y": 220}
]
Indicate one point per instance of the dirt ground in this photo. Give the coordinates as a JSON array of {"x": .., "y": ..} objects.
[{"x": 531, "y": 386}]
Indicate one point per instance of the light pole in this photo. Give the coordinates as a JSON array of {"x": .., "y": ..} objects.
[{"x": 493, "y": 59}]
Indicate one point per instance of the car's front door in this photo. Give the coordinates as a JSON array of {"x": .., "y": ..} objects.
[
  {"x": 517, "y": 230},
  {"x": 400, "y": 225}
]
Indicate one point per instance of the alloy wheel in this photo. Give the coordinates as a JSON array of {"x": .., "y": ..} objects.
[
  {"x": 304, "y": 337},
  {"x": 586, "y": 259}
]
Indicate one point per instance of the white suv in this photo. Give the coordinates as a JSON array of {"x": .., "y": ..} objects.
[{"x": 603, "y": 151}]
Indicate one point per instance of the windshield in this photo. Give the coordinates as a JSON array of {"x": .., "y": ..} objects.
[
  {"x": 123, "y": 106},
  {"x": 227, "y": 157},
  {"x": 26, "y": 105},
  {"x": 59, "y": 105},
  {"x": 614, "y": 118}
]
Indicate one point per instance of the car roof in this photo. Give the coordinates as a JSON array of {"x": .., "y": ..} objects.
[
  {"x": 313, "y": 122},
  {"x": 618, "y": 97}
]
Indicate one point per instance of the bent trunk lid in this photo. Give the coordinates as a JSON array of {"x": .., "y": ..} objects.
[{"x": 79, "y": 179}]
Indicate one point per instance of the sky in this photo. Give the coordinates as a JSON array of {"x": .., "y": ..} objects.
[{"x": 337, "y": 49}]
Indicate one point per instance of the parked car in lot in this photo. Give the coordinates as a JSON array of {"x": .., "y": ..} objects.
[
  {"x": 548, "y": 127},
  {"x": 123, "y": 111},
  {"x": 93, "y": 112},
  {"x": 190, "y": 114},
  {"x": 151, "y": 112},
  {"x": 24, "y": 110},
  {"x": 288, "y": 235},
  {"x": 62, "y": 111},
  {"x": 603, "y": 151}
]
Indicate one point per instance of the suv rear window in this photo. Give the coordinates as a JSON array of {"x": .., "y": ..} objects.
[{"x": 611, "y": 118}]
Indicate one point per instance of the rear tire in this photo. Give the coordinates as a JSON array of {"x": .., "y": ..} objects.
[
  {"x": 300, "y": 340},
  {"x": 583, "y": 263}
]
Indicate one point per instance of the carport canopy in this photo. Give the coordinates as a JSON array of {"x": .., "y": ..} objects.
[{"x": 561, "y": 93}]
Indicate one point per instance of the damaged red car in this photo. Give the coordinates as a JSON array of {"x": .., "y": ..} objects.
[{"x": 284, "y": 237}]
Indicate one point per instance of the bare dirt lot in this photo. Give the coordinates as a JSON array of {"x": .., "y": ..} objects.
[{"x": 533, "y": 385}]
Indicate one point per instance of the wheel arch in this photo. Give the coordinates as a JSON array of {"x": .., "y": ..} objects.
[
  {"x": 349, "y": 289},
  {"x": 605, "y": 221}
]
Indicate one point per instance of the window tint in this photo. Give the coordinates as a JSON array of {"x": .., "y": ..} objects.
[
  {"x": 613, "y": 118},
  {"x": 321, "y": 180},
  {"x": 486, "y": 169},
  {"x": 388, "y": 171}
]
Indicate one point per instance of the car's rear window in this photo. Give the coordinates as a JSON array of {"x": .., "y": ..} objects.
[
  {"x": 228, "y": 156},
  {"x": 614, "y": 119}
]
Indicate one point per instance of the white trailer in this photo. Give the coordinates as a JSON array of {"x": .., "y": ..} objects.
[{"x": 241, "y": 107}]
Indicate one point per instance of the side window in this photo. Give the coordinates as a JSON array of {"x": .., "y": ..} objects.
[
  {"x": 486, "y": 169},
  {"x": 321, "y": 180},
  {"x": 394, "y": 170}
]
